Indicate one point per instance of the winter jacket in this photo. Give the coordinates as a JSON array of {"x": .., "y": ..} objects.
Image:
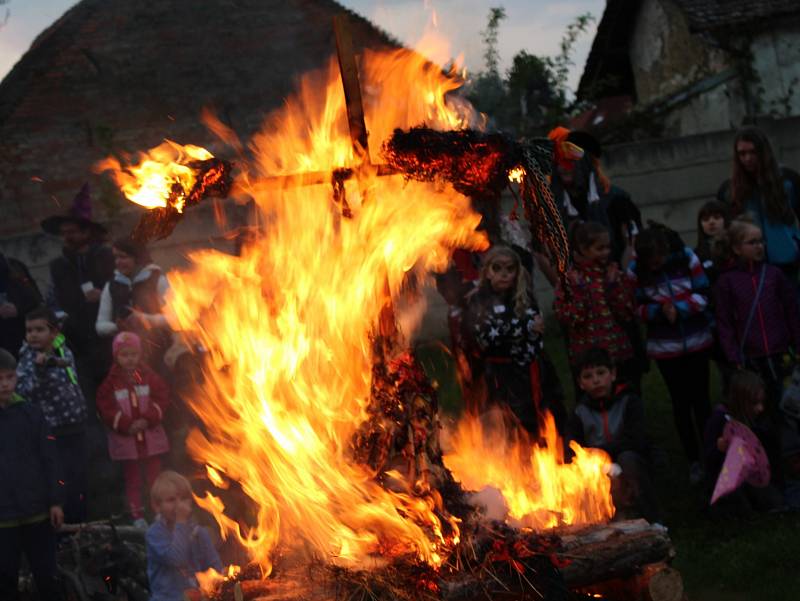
[
  {"x": 145, "y": 293},
  {"x": 55, "y": 389},
  {"x": 593, "y": 311},
  {"x": 682, "y": 282},
  {"x": 498, "y": 332},
  {"x": 175, "y": 556},
  {"x": 123, "y": 398},
  {"x": 67, "y": 273},
  {"x": 780, "y": 239},
  {"x": 18, "y": 288},
  {"x": 29, "y": 479},
  {"x": 615, "y": 424},
  {"x": 775, "y": 325}
]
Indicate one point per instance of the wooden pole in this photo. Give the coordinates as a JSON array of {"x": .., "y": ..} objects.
[
  {"x": 352, "y": 87},
  {"x": 387, "y": 323}
]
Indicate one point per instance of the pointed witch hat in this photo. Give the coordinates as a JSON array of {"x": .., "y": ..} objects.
[{"x": 80, "y": 212}]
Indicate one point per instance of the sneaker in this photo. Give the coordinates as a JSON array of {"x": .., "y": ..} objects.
[
  {"x": 696, "y": 473},
  {"x": 140, "y": 523}
]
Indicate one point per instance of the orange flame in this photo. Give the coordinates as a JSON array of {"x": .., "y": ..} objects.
[
  {"x": 541, "y": 491},
  {"x": 151, "y": 182},
  {"x": 288, "y": 325}
]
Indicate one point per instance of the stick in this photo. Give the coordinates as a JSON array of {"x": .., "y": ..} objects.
[{"x": 352, "y": 87}]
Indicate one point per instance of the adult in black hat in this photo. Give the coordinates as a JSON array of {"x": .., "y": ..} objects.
[{"x": 77, "y": 279}]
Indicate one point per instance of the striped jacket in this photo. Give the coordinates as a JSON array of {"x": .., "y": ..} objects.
[{"x": 682, "y": 282}]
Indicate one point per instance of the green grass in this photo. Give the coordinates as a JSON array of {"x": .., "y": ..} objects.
[{"x": 754, "y": 560}]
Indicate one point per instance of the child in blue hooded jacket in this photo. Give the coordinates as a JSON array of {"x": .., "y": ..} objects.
[{"x": 177, "y": 548}]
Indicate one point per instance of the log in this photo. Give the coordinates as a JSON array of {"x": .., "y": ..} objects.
[
  {"x": 627, "y": 561},
  {"x": 615, "y": 551},
  {"x": 655, "y": 582},
  {"x": 124, "y": 532}
]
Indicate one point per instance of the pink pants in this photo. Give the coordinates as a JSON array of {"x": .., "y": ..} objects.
[{"x": 132, "y": 471}]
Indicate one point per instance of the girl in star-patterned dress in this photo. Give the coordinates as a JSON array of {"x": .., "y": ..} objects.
[{"x": 505, "y": 329}]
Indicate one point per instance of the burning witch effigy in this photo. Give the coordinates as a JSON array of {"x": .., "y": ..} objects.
[{"x": 314, "y": 409}]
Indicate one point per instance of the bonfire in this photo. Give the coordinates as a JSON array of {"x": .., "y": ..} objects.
[{"x": 317, "y": 418}]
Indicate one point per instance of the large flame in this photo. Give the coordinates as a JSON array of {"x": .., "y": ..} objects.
[
  {"x": 541, "y": 491},
  {"x": 288, "y": 325}
]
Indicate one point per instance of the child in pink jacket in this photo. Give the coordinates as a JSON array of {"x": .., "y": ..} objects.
[{"x": 132, "y": 400}]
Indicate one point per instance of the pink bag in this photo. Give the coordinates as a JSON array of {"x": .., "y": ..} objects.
[{"x": 745, "y": 461}]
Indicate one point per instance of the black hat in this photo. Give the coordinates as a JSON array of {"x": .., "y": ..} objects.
[
  {"x": 587, "y": 142},
  {"x": 80, "y": 212}
]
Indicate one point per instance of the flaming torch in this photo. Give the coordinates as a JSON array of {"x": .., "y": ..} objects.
[{"x": 167, "y": 180}]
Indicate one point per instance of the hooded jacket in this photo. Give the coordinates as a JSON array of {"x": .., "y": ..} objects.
[
  {"x": 614, "y": 424},
  {"x": 29, "y": 480},
  {"x": 775, "y": 325},
  {"x": 123, "y": 398},
  {"x": 53, "y": 388},
  {"x": 683, "y": 283}
]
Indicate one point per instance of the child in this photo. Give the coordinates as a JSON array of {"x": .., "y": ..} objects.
[
  {"x": 745, "y": 404},
  {"x": 132, "y": 401},
  {"x": 177, "y": 548},
  {"x": 30, "y": 495},
  {"x": 47, "y": 377},
  {"x": 610, "y": 416},
  {"x": 713, "y": 220},
  {"x": 672, "y": 297},
  {"x": 595, "y": 299},
  {"x": 756, "y": 311},
  {"x": 505, "y": 329}
]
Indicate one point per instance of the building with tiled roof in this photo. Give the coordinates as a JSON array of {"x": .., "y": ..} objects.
[
  {"x": 121, "y": 75},
  {"x": 692, "y": 66}
]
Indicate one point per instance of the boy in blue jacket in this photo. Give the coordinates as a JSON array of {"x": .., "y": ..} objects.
[
  {"x": 30, "y": 495},
  {"x": 610, "y": 416},
  {"x": 47, "y": 378},
  {"x": 177, "y": 548}
]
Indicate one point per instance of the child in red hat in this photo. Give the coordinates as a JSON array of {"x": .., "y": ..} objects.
[{"x": 132, "y": 401}]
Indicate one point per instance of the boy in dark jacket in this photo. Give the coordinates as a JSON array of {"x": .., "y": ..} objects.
[
  {"x": 30, "y": 505},
  {"x": 610, "y": 416},
  {"x": 48, "y": 379}
]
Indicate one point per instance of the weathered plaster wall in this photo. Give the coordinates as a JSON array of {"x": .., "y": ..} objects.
[
  {"x": 664, "y": 56},
  {"x": 776, "y": 58},
  {"x": 667, "y": 59}
]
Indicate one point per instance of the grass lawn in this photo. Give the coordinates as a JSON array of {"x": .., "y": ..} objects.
[{"x": 757, "y": 560}]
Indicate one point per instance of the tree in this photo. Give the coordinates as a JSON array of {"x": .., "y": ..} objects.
[
  {"x": 487, "y": 91},
  {"x": 534, "y": 95}
]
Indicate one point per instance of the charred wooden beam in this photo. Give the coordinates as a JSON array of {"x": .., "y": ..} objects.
[{"x": 212, "y": 179}]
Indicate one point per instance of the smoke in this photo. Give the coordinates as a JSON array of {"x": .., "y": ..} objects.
[{"x": 491, "y": 502}]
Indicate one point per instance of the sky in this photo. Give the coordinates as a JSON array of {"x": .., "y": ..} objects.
[{"x": 532, "y": 25}]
